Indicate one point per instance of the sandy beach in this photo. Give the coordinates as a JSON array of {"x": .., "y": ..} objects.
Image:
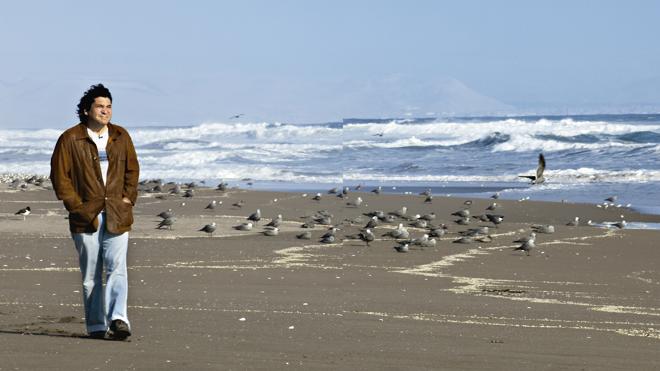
[{"x": 587, "y": 297}]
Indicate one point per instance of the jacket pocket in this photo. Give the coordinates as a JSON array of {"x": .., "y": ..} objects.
[
  {"x": 119, "y": 213},
  {"x": 83, "y": 215},
  {"x": 126, "y": 213}
]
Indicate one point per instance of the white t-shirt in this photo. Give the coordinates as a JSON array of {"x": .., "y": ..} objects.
[{"x": 101, "y": 141}]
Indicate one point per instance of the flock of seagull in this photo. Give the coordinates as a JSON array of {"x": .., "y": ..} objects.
[{"x": 397, "y": 222}]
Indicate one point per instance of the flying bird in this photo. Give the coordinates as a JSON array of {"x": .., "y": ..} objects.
[{"x": 538, "y": 178}]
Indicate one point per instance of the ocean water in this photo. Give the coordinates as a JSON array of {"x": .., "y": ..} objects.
[{"x": 589, "y": 158}]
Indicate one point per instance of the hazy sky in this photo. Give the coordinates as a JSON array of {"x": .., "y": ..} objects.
[{"x": 187, "y": 62}]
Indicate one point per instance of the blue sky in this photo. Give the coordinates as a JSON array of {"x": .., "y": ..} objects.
[{"x": 187, "y": 62}]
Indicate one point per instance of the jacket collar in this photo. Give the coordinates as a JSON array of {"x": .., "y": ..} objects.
[{"x": 80, "y": 131}]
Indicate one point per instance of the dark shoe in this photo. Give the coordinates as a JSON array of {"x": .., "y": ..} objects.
[
  {"x": 119, "y": 330},
  {"x": 97, "y": 335}
]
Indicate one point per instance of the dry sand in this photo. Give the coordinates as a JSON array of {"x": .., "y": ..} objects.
[{"x": 586, "y": 299}]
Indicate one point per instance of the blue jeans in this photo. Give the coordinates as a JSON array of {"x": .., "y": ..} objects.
[{"x": 94, "y": 251}]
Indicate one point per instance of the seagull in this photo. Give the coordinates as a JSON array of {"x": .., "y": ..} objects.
[
  {"x": 543, "y": 228},
  {"x": 493, "y": 206},
  {"x": 189, "y": 193},
  {"x": 429, "y": 199},
  {"x": 462, "y": 221},
  {"x": 472, "y": 232},
  {"x": 538, "y": 178},
  {"x": 317, "y": 197},
  {"x": 273, "y": 231},
  {"x": 464, "y": 213},
  {"x": 213, "y": 204},
  {"x": 308, "y": 224},
  {"x": 209, "y": 228},
  {"x": 464, "y": 240},
  {"x": 25, "y": 212},
  {"x": 377, "y": 190},
  {"x": 243, "y": 227},
  {"x": 437, "y": 232},
  {"x": 531, "y": 237},
  {"x": 176, "y": 190},
  {"x": 612, "y": 199},
  {"x": 401, "y": 213},
  {"x": 255, "y": 217},
  {"x": 356, "y": 203},
  {"x": 236, "y": 116},
  {"x": 238, "y": 204},
  {"x": 373, "y": 222},
  {"x": 306, "y": 235},
  {"x": 329, "y": 239},
  {"x": 166, "y": 214},
  {"x": 495, "y": 195},
  {"x": 620, "y": 225},
  {"x": 526, "y": 246},
  {"x": 574, "y": 223},
  {"x": 400, "y": 233},
  {"x": 366, "y": 236},
  {"x": 331, "y": 232},
  {"x": 401, "y": 248},
  {"x": 222, "y": 187},
  {"x": 428, "y": 217},
  {"x": 495, "y": 219},
  {"x": 428, "y": 243},
  {"x": 323, "y": 219},
  {"x": 166, "y": 223},
  {"x": 420, "y": 240},
  {"x": 420, "y": 223},
  {"x": 275, "y": 222}
]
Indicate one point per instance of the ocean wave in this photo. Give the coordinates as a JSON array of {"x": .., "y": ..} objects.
[
  {"x": 220, "y": 132},
  {"x": 566, "y": 176}
]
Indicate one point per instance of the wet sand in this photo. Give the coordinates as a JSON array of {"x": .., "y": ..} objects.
[{"x": 586, "y": 298}]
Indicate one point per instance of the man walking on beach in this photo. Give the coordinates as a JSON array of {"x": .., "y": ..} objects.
[{"x": 94, "y": 171}]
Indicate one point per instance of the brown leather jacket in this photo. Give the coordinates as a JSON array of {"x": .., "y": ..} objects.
[{"x": 76, "y": 175}]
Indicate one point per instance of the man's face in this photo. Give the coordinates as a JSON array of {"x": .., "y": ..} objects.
[{"x": 101, "y": 111}]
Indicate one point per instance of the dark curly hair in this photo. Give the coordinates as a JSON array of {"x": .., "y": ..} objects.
[{"x": 88, "y": 98}]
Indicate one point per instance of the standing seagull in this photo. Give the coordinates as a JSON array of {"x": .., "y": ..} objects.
[
  {"x": 166, "y": 223},
  {"x": 538, "y": 178},
  {"x": 255, "y": 217},
  {"x": 366, "y": 236},
  {"x": 526, "y": 246},
  {"x": 209, "y": 228},
  {"x": 25, "y": 212}
]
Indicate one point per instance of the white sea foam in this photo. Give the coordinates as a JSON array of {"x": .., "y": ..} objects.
[{"x": 556, "y": 178}]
